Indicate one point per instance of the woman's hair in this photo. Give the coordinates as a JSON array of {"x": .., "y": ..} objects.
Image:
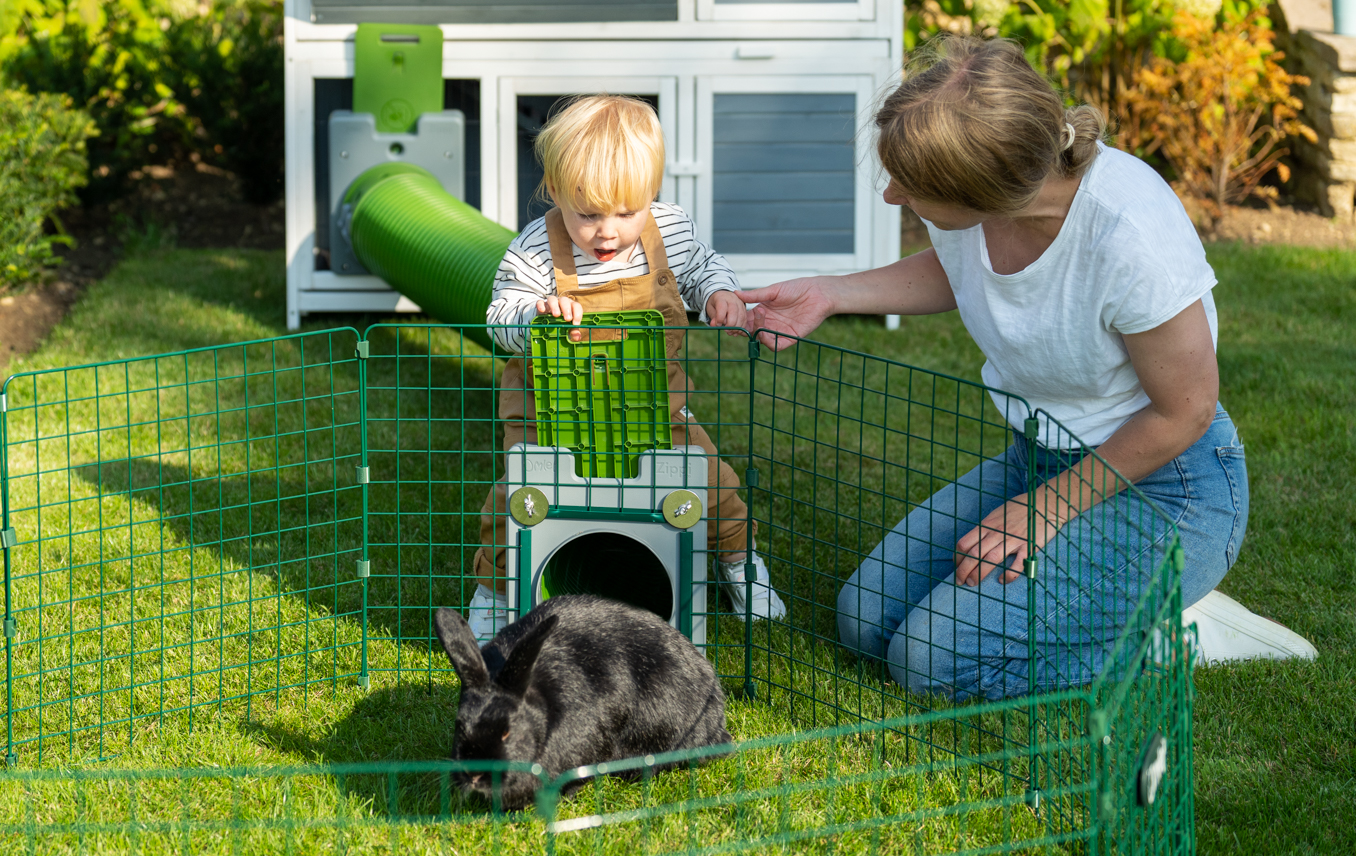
[
  {"x": 603, "y": 152},
  {"x": 973, "y": 124}
]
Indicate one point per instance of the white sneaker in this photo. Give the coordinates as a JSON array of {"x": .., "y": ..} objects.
[
  {"x": 487, "y": 613},
  {"x": 1226, "y": 631},
  {"x": 766, "y": 603}
]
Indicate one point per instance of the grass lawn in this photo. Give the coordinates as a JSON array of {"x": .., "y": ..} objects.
[{"x": 1275, "y": 756}]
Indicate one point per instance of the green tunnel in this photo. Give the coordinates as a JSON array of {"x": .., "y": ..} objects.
[{"x": 427, "y": 244}]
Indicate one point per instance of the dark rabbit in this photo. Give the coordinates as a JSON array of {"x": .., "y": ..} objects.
[{"x": 579, "y": 680}]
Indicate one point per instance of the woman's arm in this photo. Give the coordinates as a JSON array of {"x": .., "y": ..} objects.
[
  {"x": 1176, "y": 365},
  {"x": 914, "y": 285}
]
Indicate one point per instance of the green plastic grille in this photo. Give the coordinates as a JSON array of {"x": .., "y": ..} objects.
[{"x": 605, "y": 396}]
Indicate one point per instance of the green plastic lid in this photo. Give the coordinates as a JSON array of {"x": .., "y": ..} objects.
[{"x": 397, "y": 74}]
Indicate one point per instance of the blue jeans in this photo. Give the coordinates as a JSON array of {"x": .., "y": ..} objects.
[{"x": 902, "y": 604}]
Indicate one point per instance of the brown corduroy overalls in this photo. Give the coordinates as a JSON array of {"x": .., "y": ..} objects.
[{"x": 518, "y": 414}]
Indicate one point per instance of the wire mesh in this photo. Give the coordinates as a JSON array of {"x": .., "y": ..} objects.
[
  {"x": 186, "y": 529},
  {"x": 255, "y": 537}
]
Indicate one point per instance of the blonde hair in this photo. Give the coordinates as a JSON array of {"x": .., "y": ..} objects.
[
  {"x": 602, "y": 153},
  {"x": 973, "y": 124}
]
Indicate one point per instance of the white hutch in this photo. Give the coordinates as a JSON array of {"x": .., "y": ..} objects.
[{"x": 765, "y": 108}]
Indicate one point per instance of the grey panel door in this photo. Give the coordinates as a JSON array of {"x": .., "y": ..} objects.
[{"x": 783, "y": 172}]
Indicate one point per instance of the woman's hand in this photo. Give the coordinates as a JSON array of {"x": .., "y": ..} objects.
[
  {"x": 796, "y": 306},
  {"x": 999, "y": 541},
  {"x": 726, "y": 309},
  {"x": 914, "y": 285}
]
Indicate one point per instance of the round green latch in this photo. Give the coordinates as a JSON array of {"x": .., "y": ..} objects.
[
  {"x": 528, "y": 506},
  {"x": 683, "y": 509}
]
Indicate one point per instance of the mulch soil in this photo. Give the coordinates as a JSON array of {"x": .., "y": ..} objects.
[{"x": 193, "y": 209}]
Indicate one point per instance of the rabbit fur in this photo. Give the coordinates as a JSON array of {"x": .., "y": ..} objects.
[{"x": 579, "y": 680}]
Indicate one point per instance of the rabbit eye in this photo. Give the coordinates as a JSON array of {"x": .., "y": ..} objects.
[{"x": 504, "y": 738}]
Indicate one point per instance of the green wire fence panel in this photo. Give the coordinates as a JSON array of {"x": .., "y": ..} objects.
[
  {"x": 186, "y": 530},
  {"x": 848, "y": 446},
  {"x": 431, "y": 449},
  {"x": 435, "y": 452},
  {"x": 222, "y": 568},
  {"x": 846, "y": 790}
]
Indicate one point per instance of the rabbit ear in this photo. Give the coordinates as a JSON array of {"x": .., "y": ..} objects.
[
  {"x": 461, "y": 648},
  {"x": 518, "y": 669}
]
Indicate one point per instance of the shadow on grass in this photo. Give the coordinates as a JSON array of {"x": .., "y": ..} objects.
[
  {"x": 399, "y": 723},
  {"x": 285, "y": 503}
]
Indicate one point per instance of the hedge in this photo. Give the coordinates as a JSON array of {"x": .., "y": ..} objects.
[{"x": 42, "y": 162}]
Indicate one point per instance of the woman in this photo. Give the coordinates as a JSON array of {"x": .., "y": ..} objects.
[{"x": 1080, "y": 277}]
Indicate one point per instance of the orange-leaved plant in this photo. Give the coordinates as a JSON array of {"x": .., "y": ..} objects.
[{"x": 1219, "y": 114}]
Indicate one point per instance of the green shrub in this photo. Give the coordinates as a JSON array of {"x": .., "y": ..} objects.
[
  {"x": 42, "y": 162},
  {"x": 1088, "y": 48},
  {"x": 109, "y": 57},
  {"x": 165, "y": 80},
  {"x": 1220, "y": 111},
  {"x": 1190, "y": 85},
  {"x": 231, "y": 72}
]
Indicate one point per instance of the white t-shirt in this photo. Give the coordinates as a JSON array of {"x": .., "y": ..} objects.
[
  {"x": 1126, "y": 260},
  {"x": 526, "y": 274}
]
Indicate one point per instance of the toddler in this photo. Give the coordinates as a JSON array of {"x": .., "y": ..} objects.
[{"x": 608, "y": 246}]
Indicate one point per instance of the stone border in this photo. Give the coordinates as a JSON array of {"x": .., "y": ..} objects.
[{"x": 1327, "y": 173}]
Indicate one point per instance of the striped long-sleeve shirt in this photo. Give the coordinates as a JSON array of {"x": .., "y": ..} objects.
[{"x": 525, "y": 274}]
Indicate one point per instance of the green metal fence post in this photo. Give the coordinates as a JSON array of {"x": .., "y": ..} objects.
[
  {"x": 361, "y": 353},
  {"x": 1101, "y": 801},
  {"x": 9, "y": 609},
  {"x": 548, "y": 799},
  {"x": 751, "y": 480},
  {"x": 1185, "y": 699},
  {"x": 1031, "y": 432},
  {"x": 132, "y": 583}
]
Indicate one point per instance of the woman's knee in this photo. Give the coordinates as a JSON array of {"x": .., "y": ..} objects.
[
  {"x": 861, "y": 618},
  {"x": 922, "y": 656}
]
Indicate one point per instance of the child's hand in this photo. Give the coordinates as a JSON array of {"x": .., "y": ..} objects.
[
  {"x": 567, "y": 310},
  {"x": 726, "y": 309}
]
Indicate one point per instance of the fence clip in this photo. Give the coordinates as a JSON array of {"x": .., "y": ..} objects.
[
  {"x": 4, "y": 402},
  {"x": 1097, "y": 725},
  {"x": 364, "y": 568},
  {"x": 361, "y": 351},
  {"x": 8, "y": 537},
  {"x": 11, "y": 628},
  {"x": 1153, "y": 766},
  {"x": 363, "y": 474},
  {"x": 1033, "y": 799},
  {"x": 1029, "y": 566}
]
